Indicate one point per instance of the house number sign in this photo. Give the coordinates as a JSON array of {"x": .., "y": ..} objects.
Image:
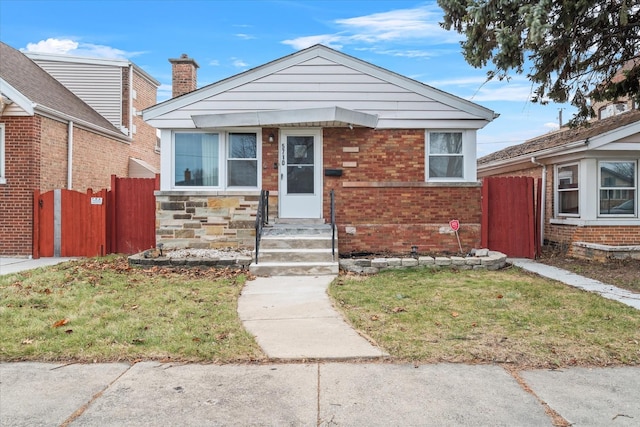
[{"x": 96, "y": 200}]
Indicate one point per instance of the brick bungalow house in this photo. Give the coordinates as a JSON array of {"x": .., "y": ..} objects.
[
  {"x": 590, "y": 180},
  {"x": 399, "y": 155},
  {"x": 50, "y": 138}
]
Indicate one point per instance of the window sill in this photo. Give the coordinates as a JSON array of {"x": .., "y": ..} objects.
[
  {"x": 596, "y": 222},
  {"x": 3, "y": 181},
  {"x": 394, "y": 184},
  {"x": 196, "y": 192}
]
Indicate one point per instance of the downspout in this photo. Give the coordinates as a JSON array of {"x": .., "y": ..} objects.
[
  {"x": 130, "y": 112},
  {"x": 70, "y": 155},
  {"x": 543, "y": 198}
]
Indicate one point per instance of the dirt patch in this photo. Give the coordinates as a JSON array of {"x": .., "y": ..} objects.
[{"x": 623, "y": 273}]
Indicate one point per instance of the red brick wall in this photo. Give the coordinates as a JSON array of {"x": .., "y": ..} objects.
[
  {"x": 144, "y": 138},
  {"x": 269, "y": 158},
  {"x": 53, "y": 162},
  {"x": 36, "y": 158},
  {"x": 22, "y": 148},
  {"x": 95, "y": 159},
  {"x": 395, "y": 218},
  {"x": 383, "y": 204}
]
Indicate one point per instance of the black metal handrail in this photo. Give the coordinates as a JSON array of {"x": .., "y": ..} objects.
[
  {"x": 333, "y": 224},
  {"x": 262, "y": 217}
]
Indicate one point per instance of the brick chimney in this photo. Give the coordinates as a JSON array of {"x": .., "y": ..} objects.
[{"x": 184, "y": 75}]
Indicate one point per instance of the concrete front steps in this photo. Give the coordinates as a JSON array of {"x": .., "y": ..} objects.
[{"x": 297, "y": 249}]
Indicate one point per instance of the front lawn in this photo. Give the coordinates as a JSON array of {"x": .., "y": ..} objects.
[
  {"x": 103, "y": 310},
  {"x": 506, "y": 316}
]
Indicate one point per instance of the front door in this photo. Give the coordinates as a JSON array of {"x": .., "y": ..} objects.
[{"x": 300, "y": 192}]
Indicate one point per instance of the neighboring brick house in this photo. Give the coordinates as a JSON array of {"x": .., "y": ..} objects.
[
  {"x": 119, "y": 90},
  {"x": 400, "y": 155},
  {"x": 590, "y": 178},
  {"x": 50, "y": 139}
]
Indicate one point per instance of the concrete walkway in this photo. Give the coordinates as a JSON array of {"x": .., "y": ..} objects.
[
  {"x": 292, "y": 317},
  {"x": 607, "y": 291}
]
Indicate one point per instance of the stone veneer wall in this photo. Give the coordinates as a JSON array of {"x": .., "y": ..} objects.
[{"x": 207, "y": 220}]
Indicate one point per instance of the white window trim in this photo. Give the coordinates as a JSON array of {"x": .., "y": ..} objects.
[
  {"x": 634, "y": 188},
  {"x": 3, "y": 177},
  {"x": 469, "y": 171},
  {"x": 557, "y": 191},
  {"x": 223, "y": 159}
]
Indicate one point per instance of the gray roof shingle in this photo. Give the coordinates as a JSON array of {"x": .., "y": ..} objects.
[{"x": 562, "y": 137}]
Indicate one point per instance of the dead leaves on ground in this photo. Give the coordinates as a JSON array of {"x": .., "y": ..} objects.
[{"x": 60, "y": 323}]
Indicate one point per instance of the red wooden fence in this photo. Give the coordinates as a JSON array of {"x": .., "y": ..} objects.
[
  {"x": 70, "y": 223},
  {"x": 510, "y": 219},
  {"x": 132, "y": 214}
]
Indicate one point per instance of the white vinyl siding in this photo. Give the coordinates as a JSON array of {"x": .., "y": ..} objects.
[
  {"x": 320, "y": 82},
  {"x": 100, "y": 86}
]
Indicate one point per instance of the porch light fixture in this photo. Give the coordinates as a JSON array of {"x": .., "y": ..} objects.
[{"x": 271, "y": 137}]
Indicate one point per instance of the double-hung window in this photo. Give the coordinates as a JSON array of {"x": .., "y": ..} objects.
[
  {"x": 445, "y": 156},
  {"x": 215, "y": 159},
  {"x": 617, "y": 188},
  {"x": 567, "y": 190},
  {"x": 3, "y": 176},
  {"x": 242, "y": 160}
]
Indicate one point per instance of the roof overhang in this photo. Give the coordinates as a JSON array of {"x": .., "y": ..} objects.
[{"x": 308, "y": 117}]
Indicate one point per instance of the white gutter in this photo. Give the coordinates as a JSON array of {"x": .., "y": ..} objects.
[
  {"x": 54, "y": 114},
  {"x": 543, "y": 198},
  {"x": 70, "y": 156}
]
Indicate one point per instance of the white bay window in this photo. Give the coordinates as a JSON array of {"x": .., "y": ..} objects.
[{"x": 617, "y": 189}]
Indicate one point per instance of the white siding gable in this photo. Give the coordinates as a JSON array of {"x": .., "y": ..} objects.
[
  {"x": 318, "y": 78},
  {"x": 98, "y": 85}
]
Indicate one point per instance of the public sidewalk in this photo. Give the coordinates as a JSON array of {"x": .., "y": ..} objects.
[
  {"x": 15, "y": 265},
  {"x": 313, "y": 394}
]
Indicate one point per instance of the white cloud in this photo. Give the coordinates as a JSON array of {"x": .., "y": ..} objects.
[
  {"x": 214, "y": 62},
  {"x": 420, "y": 23},
  {"x": 71, "y": 47},
  {"x": 245, "y": 36},
  {"x": 402, "y": 24},
  {"x": 239, "y": 63},
  {"x": 509, "y": 92},
  {"x": 330, "y": 40},
  {"x": 52, "y": 46}
]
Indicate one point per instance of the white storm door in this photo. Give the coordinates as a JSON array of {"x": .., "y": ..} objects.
[{"x": 300, "y": 191}]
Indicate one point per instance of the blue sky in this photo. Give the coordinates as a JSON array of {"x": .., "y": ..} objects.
[{"x": 228, "y": 37}]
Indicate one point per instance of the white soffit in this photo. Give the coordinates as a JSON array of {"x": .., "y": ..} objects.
[{"x": 329, "y": 116}]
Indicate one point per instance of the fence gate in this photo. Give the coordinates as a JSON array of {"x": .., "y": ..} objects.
[
  {"x": 69, "y": 223},
  {"x": 132, "y": 215},
  {"x": 510, "y": 217}
]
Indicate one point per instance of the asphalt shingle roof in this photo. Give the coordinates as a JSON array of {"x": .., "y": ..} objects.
[
  {"x": 563, "y": 136},
  {"x": 40, "y": 87}
]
